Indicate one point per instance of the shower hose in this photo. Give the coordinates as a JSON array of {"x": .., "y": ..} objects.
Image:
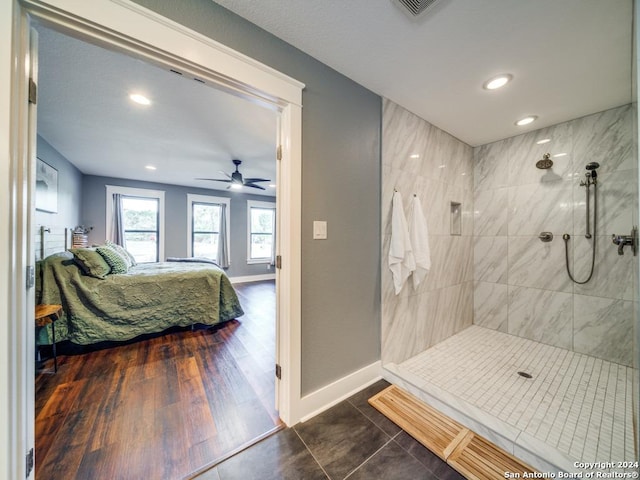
[{"x": 566, "y": 238}]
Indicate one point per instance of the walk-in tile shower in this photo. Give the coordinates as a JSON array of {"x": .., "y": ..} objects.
[{"x": 498, "y": 299}]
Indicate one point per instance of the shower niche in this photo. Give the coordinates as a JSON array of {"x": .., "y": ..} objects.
[{"x": 455, "y": 227}]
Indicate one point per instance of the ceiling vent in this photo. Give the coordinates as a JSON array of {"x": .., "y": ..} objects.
[{"x": 416, "y": 7}]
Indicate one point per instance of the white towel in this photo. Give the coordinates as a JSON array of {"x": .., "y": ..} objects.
[
  {"x": 419, "y": 236},
  {"x": 401, "y": 262}
]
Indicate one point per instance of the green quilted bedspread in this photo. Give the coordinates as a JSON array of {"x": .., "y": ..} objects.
[{"x": 148, "y": 299}]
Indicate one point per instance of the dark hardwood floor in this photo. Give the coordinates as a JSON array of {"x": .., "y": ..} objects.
[{"x": 163, "y": 407}]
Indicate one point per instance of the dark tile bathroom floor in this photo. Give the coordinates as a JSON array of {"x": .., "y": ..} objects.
[{"x": 350, "y": 440}]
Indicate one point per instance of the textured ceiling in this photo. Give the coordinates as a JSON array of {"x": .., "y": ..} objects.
[
  {"x": 569, "y": 58},
  {"x": 190, "y": 130}
]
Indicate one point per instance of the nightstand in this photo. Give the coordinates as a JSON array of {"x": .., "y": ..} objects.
[{"x": 45, "y": 315}]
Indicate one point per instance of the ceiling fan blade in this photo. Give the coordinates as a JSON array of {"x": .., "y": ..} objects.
[
  {"x": 253, "y": 180},
  {"x": 236, "y": 178},
  {"x": 254, "y": 186}
]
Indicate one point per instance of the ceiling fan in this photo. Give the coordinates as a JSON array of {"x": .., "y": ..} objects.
[{"x": 236, "y": 180}]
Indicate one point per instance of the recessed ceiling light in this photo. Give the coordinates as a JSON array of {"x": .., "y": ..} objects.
[
  {"x": 141, "y": 99},
  {"x": 150, "y": 167},
  {"x": 543, "y": 141},
  {"x": 272, "y": 185},
  {"x": 414, "y": 155},
  {"x": 236, "y": 186},
  {"x": 559, "y": 155},
  {"x": 526, "y": 120},
  {"x": 498, "y": 81}
]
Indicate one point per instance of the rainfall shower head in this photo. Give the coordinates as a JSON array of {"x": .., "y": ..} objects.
[{"x": 545, "y": 163}]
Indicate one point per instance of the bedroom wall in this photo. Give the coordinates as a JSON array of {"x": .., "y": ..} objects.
[
  {"x": 340, "y": 184},
  {"x": 69, "y": 188},
  {"x": 94, "y": 214}
]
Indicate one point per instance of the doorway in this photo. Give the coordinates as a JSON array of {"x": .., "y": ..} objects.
[
  {"x": 152, "y": 37},
  {"x": 177, "y": 145}
]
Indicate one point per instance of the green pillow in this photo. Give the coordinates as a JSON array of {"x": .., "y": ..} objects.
[
  {"x": 116, "y": 262},
  {"x": 130, "y": 259},
  {"x": 120, "y": 251},
  {"x": 91, "y": 262}
]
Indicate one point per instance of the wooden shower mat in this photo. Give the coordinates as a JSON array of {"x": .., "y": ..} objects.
[{"x": 470, "y": 454}]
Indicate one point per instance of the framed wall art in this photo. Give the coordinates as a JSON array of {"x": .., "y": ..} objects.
[{"x": 46, "y": 187}]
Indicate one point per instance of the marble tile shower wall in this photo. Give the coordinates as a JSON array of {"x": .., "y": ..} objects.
[
  {"x": 420, "y": 159},
  {"x": 521, "y": 286}
]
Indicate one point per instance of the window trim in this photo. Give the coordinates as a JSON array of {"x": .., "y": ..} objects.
[
  {"x": 194, "y": 198},
  {"x": 264, "y": 205},
  {"x": 138, "y": 192}
]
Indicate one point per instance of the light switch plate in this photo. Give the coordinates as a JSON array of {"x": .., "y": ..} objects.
[{"x": 319, "y": 230}]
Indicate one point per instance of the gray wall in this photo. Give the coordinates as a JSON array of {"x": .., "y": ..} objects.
[
  {"x": 522, "y": 286},
  {"x": 340, "y": 184},
  {"x": 94, "y": 214},
  {"x": 69, "y": 188}
]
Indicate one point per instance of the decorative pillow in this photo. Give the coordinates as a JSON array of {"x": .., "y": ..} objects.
[
  {"x": 91, "y": 262},
  {"x": 130, "y": 259},
  {"x": 119, "y": 250},
  {"x": 114, "y": 259}
]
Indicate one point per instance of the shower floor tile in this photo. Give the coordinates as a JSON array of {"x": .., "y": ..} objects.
[{"x": 579, "y": 405}]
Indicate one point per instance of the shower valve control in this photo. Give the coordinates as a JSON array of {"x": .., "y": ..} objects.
[
  {"x": 545, "y": 236},
  {"x": 622, "y": 240}
]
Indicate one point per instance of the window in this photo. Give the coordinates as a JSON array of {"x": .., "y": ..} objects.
[
  {"x": 261, "y": 228},
  {"x": 205, "y": 228},
  {"x": 204, "y": 215},
  {"x": 143, "y": 221}
]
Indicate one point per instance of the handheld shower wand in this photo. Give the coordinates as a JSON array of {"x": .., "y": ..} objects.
[
  {"x": 590, "y": 179},
  {"x": 590, "y": 175},
  {"x": 593, "y": 168}
]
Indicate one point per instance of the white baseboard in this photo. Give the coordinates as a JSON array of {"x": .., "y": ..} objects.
[
  {"x": 326, "y": 397},
  {"x": 253, "y": 278}
]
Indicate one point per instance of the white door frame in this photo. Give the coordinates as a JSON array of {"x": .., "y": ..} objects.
[
  {"x": 127, "y": 26},
  {"x": 17, "y": 159}
]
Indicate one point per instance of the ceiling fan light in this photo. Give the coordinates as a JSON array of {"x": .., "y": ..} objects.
[{"x": 237, "y": 181}]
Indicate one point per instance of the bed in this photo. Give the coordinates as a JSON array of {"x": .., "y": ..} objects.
[{"x": 149, "y": 298}]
